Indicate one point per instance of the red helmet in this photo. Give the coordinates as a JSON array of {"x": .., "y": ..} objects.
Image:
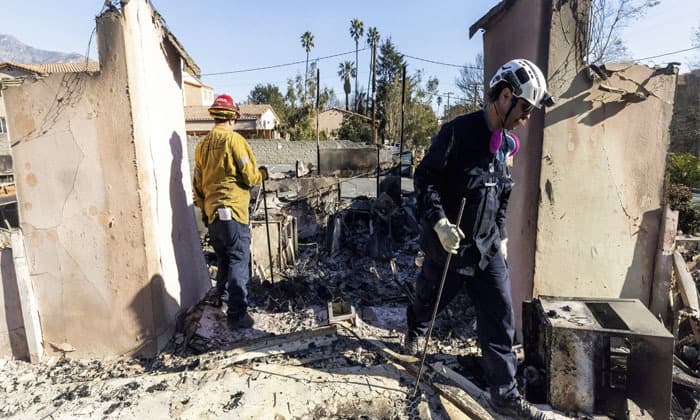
[{"x": 224, "y": 108}]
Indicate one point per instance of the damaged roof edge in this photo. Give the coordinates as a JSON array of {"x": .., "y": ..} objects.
[
  {"x": 189, "y": 63},
  {"x": 490, "y": 16}
]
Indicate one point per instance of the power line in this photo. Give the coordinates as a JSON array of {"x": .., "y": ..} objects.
[
  {"x": 665, "y": 54},
  {"x": 294, "y": 63},
  {"x": 274, "y": 66},
  {"x": 442, "y": 63}
]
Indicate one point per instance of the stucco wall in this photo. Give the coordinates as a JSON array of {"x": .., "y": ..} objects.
[
  {"x": 106, "y": 213},
  {"x": 602, "y": 183},
  {"x": 13, "y": 340},
  {"x": 155, "y": 79},
  {"x": 192, "y": 95},
  {"x": 330, "y": 121},
  {"x": 267, "y": 121},
  {"x": 584, "y": 214},
  {"x": 531, "y": 18}
]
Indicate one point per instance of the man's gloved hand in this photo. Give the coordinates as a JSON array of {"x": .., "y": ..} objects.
[
  {"x": 264, "y": 173},
  {"x": 205, "y": 219},
  {"x": 449, "y": 235},
  {"x": 504, "y": 248}
]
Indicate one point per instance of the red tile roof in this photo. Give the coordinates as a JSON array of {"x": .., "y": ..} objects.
[
  {"x": 74, "y": 67},
  {"x": 248, "y": 112}
]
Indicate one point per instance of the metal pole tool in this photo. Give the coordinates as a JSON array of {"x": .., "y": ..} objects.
[
  {"x": 437, "y": 302},
  {"x": 267, "y": 228}
]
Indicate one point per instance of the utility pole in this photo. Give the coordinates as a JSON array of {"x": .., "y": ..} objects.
[
  {"x": 403, "y": 111},
  {"x": 374, "y": 108},
  {"x": 374, "y": 94},
  {"x": 318, "y": 136}
]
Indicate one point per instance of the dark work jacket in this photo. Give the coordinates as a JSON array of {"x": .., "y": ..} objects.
[{"x": 459, "y": 164}]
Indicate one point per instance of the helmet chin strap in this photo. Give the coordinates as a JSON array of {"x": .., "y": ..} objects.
[{"x": 513, "y": 102}]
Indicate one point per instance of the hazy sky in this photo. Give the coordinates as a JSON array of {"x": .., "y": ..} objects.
[{"x": 234, "y": 35}]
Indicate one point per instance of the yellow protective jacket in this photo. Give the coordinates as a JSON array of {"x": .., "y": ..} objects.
[{"x": 225, "y": 170}]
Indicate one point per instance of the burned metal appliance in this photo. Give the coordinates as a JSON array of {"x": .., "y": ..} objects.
[{"x": 592, "y": 355}]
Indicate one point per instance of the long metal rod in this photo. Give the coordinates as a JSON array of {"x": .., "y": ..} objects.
[
  {"x": 267, "y": 228},
  {"x": 379, "y": 170},
  {"x": 437, "y": 301}
]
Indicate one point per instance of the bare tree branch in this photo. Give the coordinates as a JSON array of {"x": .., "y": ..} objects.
[
  {"x": 607, "y": 18},
  {"x": 471, "y": 80}
]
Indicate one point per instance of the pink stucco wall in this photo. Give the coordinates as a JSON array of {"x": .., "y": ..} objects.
[{"x": 104, "y": 206}]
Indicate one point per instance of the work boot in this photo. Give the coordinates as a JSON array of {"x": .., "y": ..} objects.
[
  {"x": 413, "y": 344},
  {"x": 240, "y": 322},
  {"x": 518, "y": 408}
]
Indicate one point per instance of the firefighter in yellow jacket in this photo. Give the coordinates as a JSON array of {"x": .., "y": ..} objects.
[{"x": 225, "y": 171}]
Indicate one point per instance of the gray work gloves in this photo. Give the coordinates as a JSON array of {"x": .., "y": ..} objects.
[
  {"x": 504, "y": 248},
  {"x": 449, "y": 235}
]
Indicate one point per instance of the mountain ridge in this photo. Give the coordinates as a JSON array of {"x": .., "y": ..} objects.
[{"x": 12, "y": 49}]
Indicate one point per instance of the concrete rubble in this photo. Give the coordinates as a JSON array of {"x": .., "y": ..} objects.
[
  {"x": 291, "y": 364},
  {"x": 355, "y": 255}
]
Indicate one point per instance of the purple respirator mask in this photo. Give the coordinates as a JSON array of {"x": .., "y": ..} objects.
[{"x": 497, "y": 139}]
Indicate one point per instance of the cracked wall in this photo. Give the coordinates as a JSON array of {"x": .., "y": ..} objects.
[
  {"x": 584, "y": 214},
  {"x": 104, "y": 207},
  {"x": 603, "y": 162}
]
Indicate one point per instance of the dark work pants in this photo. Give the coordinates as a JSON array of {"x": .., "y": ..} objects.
[
  {"x": 489, "y": 291},
  {"x": 231, "y": 242}
]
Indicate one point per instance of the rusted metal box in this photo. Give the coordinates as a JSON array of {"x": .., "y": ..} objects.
[{"x": 597, "y": 353}]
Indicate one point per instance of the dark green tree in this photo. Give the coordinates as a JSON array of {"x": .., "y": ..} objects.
[
  {"x": 389, "y": 68},
  {"x": 269, "y": 94},
  {"x": 389, "y": 63},
  {"x": 356, "y": 128}
]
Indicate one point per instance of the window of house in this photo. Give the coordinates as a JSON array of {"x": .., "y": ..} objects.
[{"x": 3, "y": 125}]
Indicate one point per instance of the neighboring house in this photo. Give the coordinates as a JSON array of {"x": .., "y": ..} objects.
[
  {"x": 256, "y": 122},
  {"x": 12, "y": 73},
  {"x": 330, "y": 120},
  {"x": 194, "y": 92}
]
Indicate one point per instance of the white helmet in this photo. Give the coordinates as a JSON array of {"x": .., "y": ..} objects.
[{"x": 526, "y": 80}]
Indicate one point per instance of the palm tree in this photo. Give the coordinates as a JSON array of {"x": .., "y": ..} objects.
[
  {"x": 346, "y": 70},
  {"x": 307, "y": 41},
  {"x": 356, "y": 32},
  {"x": 372, "y": 40}
]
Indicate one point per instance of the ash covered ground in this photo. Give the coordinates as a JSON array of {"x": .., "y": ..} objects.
[{"x": 198, "y": 374}]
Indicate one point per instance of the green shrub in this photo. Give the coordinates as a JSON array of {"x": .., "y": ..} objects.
[
  {"x": 689, "y": 220},
  {"x": 680, "y": 198},
  {"x": 684, "y": 168}
]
